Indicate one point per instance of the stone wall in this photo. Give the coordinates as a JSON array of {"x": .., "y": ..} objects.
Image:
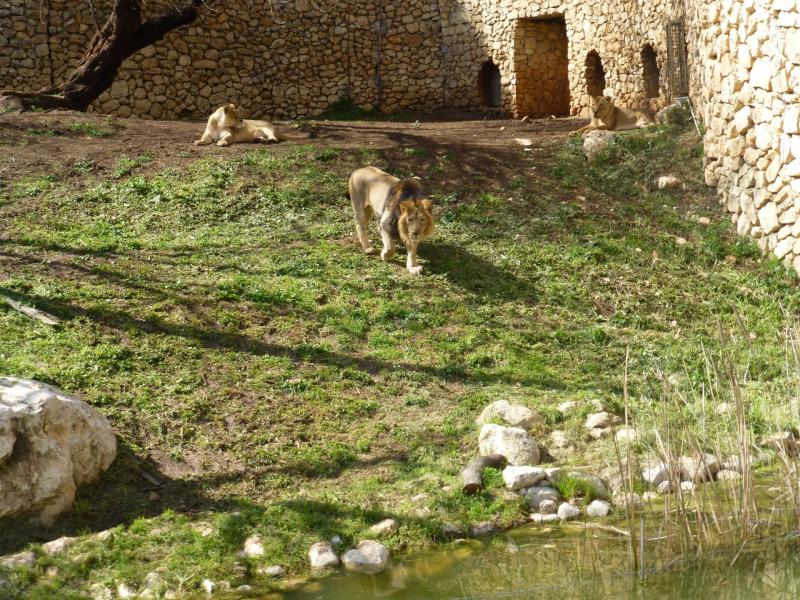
[{"x": 751, "y": 51}]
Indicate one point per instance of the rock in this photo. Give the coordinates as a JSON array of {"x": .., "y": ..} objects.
[
  {"x": 687, "y": 486},
  {"x": 538, "y": 493},
  {"x": 665, "y": 487},
  {"x": 559, "y": 439},
  {"x": 782, "y": 442},
  {"x": 596, "y": 486},
  {"x": 540, "y": 518},
  {"x": 649, "y": 495},
  {"x": 600, "y": 420},
  {"x": 100, "y": 592},
  {"x": 567, "y": 511},
  {"x": 524, "y": 141},
  {"x": 599, "y": 433},
  {"x": 568, "y": 407},
  {"x": 699, "y": 468},
  {"x": 627, "y": 435},
  {"x": 385, "y": 527},
  {"x": 668, "y": 182},
  {"x": 58, "y": 444},
  {"x": 482, "y": 529},
  {"x": 512, "y": 442},
  {"x": 58, "y": 546},
  {"x": 274, "y": 571},
  {"x": 209, "y": 586},
  {"x": 628, "y": 498},
  {"x": 452, "y": 530},
  {"x": 727, "y": 475},
  {"x": 655, "y": 473},
  {"x": 321, "y": 555},
  {"x": 548, "y": 507},
  {"x": 253, "y": 547},
  {"x": 595, "y": 142},
  {"x": 517, "y": 478},
  {"x": 336, "y": 540},
  {"x": 512, "y": 415},
  {"x": 724, "y": 408},
  {"x": 368, "y": 557},
  {"x": 598, "y": 508},
  {"x": 123, "y": 591},
  {"x": 20, "y": 559},
  {"x": 153, "y": 586},
  {"x": 244, "y": 589}
]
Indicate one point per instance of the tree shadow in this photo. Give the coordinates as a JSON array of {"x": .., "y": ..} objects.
[{"x": 474, "y": 273}]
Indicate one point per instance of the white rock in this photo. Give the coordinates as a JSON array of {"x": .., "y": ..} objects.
[
  {"x": 727, "y": 475},
  {"x": 385, "y": 527},
  {"x": 368, "y": 557},
  {"x": 665, "y": 487},
  {"x": 724, "y": 408},
  {"x": 253, "y": 547},
  {"x": 600, "y": 420},
  {"x": 524, "y": 141},
  {"x": 517, "y": 478},
  {"x": 568, "y": 407},
  {"x": 599, "y": 432},
  {"x": 687, "y": 486},
  {"x": 535, "y": 495},
  {"x": 209, "y": 586},
  {"x": 540, "y": 518},
  {"x": 482, "y": 529},
  {"x": 336, "y": 540},
  {"x": 655, "y": 473},
  {"x": 123, "y": 591},
  {"x": 649, "y": 495},
  {"x": 548, "y": 507},
  {"x": 58, "y": 546},
  {"x": 627, "y": 435},
  {"x": 321, "y": 555},
  {"x": 560, "y": 439},
  {"x": 511, "y": 442},
  {"x": 566, "y": 511},
  {"x": 100, "y": 592},
  {"x": 274, "y": 571},
  {"x": 668, "y": 182},
  {"x": 512, "y": 415},
  {"x": 59, "y": 443},
  {"x": 594, "y": 142},
  {"x": 598, "y": 508},
  {"x": 633, "y": 499}
]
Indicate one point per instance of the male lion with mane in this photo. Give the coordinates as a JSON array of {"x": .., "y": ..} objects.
[
  {"x": 605, "y": 115},
  {"x": 401, "y": 206}
]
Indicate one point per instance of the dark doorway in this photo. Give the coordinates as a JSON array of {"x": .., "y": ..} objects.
[
  {"x": 489, "y": 84},
  {"x": 650, "y": 72},
  {"x": 541, "y": 66},
  {"x": 595, "y": 74}
]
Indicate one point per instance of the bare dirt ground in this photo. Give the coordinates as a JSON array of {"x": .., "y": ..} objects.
[{"x": 36, "y": 143}]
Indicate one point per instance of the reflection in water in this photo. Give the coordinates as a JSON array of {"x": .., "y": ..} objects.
[{"x": 565, "y": 563}]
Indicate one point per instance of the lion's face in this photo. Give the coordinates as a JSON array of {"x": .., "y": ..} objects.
[
  {"x": 416, "y": 220},
  {"x": 230, "y": 116},
  {"x": 602, "y": 107}
]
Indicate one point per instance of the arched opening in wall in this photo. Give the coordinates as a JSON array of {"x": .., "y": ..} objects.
[
  {"x": 595, "y": 74},
  {"x": 541, "y": 67},
  {"x": 650, "y": 72},
  {"x": 489, "y": 84}
]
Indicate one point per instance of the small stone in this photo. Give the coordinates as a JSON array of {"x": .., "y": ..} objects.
[
  {"x": 524, "y": 141},
  {"x": 599, "y": 433},
  {"x": 368, "y": 557},
  {"x": 209, "y": 586},
  {"x": 58, "y": 546},
  {"x": 649, "y": 495},
  {"x": 253, "y": 547},
  {"x": 482, "y": 529},
  {"x": 105, "y": 535},
  {"x": 568, "y": 407},
  {"x": 598, "y": 508},
  {"x": 680, "y": 241},
  {"x": 600, "y": 420},
  {"x": 724, "y": 408},
  {"x": 123, "y": 591},
  {"x": 566, "y": 511},
  {"x": 699, "y": 468},
  {"x": 540, "y": 518},
  {"x": 668, "y": 182},
  {"x": 560, "y": 439},
  {"x": 538, "y": 493},
  {"x": 336, "y": 540},
  {"x": 385, "y": 527},
  {"x": 321, "y": 555},
  {"x": 629, "y": 499},
  {"x": 275, "y": 571},
  {"x": 687, "y": 486},
  {"x": 665, "y": 487},
  {"x": 703, "y": 221},
  {"x": 517, "y": 478},
  {"x": 655, "y": 473},
  {"x": 627, "y": 435},
  {"x": 548, "y": 507},
  {"x": 244, "y": 589},
  {"x": 726, "y": 475},
  {"x": 100, "y": 592},
  {"x": 452, "y": 530}
]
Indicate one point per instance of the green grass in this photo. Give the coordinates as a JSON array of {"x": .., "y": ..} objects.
[
  {"x": 89, "y": 129},
  {"x": 279, "y": 382}
]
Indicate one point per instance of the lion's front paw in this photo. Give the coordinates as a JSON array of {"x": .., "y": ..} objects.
[
  {"x": 223, "y": 143},
  {"x": 415, "y": 270}
]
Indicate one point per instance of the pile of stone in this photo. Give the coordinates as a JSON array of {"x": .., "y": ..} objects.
[{"x": 368, "y": 556}]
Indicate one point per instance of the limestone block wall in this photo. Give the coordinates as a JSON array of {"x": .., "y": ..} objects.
[
  {"x": 751, "y": 51},
  {"x": 541, "y": 64}
]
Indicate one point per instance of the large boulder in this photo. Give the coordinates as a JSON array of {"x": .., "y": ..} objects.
[
  {"x": 50, "y": 444},
  {"x": 595, "y": 142},
  {"x": 511, "y": 442},
  {"x": 517, "y": 478},
  {"x": 513, "y": 415}
]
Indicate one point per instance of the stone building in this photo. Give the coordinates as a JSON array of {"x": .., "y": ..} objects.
[{"x": 738, "y": 60}]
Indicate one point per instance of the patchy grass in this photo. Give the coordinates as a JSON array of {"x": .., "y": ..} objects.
[
  {"x": 274, "y": 380},
  {"x": 89, "y": 129}
]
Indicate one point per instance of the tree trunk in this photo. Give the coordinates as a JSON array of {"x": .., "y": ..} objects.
[{"x": 122, "y": 35}]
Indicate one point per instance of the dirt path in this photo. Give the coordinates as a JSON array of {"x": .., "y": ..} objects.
[{"x": 37, "y": 143}]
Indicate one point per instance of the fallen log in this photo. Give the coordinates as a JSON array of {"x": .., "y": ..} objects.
[{"x": 472, "y": 472}]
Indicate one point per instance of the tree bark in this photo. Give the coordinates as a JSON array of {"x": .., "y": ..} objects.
[
  {"x": 122, "y": 35},
  {"x": 472, "y": 472}
]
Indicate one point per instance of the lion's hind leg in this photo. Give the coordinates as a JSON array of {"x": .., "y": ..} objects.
[{"x": 362, "y": 213}]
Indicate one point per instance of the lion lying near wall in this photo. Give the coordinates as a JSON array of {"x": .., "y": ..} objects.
[
  {"x": 401, "y": 206},
  {"x": 226, "y": 127},
  {"x": 605, "y": 115}
]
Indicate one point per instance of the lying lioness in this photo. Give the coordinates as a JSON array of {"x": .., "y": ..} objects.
[
  {"x": 226, "y": 127},
  {"x": 615, "y": 118},
  {"x": 401, "y": 206}
]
